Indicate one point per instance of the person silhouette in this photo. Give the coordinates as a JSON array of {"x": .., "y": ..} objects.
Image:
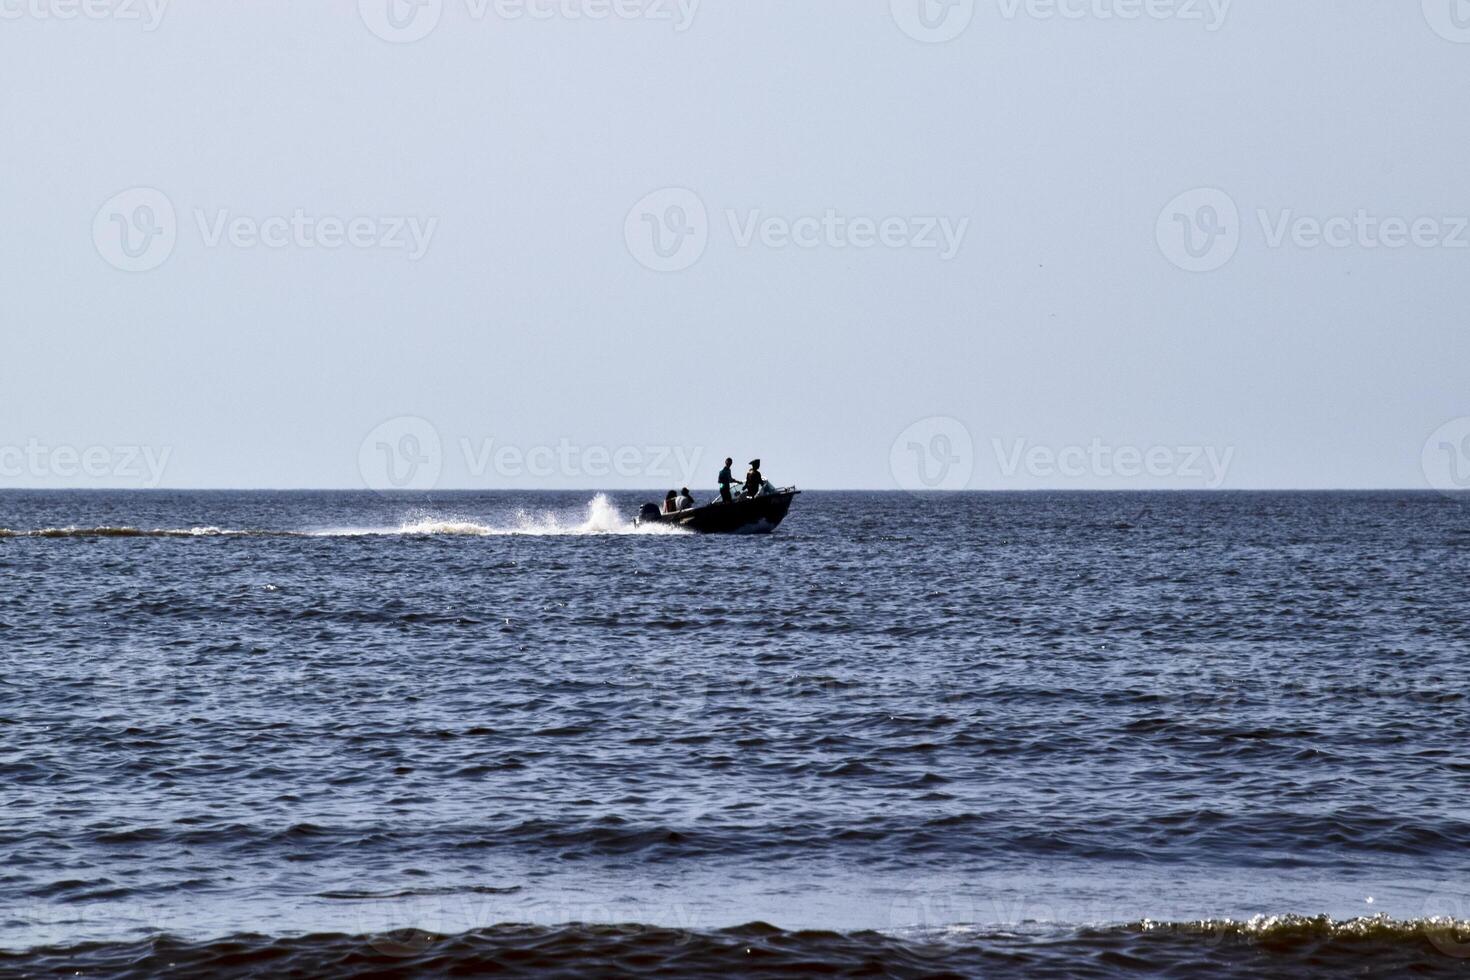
[
  {"x": 753, "y": 481},
  {"x": 725, "y": 479}
]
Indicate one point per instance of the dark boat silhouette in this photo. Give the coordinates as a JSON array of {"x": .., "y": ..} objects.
[{"x": 745, "y": 515}]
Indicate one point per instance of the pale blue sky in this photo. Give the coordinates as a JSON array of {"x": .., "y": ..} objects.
[{"x": 520, "y": 146}]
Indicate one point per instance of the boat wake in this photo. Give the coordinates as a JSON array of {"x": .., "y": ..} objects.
[
  {"x": 134, "y": 532},
  {"x": 601, "y": 518}
]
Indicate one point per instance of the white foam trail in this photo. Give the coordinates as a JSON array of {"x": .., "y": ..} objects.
[{"x": 602, "y": 518}]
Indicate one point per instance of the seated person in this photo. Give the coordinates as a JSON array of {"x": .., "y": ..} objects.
[
  {"x": 670, "y": 503},
  {"x": 686, "y": 500}
]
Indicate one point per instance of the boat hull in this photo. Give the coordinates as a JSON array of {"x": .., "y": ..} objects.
[{"x": 757, "y": 515}]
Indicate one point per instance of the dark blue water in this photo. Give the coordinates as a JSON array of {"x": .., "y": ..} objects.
[{"x": 1037, "y": 733}]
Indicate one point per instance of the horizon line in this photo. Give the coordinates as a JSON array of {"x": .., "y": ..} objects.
[{"x": 895, "y": 490}]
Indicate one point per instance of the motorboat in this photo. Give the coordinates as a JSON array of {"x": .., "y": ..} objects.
[{"x": 760, "y": 514}]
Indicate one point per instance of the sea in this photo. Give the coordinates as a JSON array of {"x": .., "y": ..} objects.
[{"x": 1035, "y": 734}]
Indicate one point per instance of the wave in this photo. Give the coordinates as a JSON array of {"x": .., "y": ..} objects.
[
  {"x": 601, "y": 518},
  {"x": 1287, "y": 929},
  {"x": 358, "y": 895},
  {"x": 1268, "y": 946},
  {"x": 1272, "y": 841}
]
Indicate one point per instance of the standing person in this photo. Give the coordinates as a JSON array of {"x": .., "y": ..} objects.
[
  {"x": 753, "y": 479},
  {"x": 725, "y": 480}
]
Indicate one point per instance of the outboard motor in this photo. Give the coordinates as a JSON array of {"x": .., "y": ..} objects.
[{"x": 648, "y": 512}]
